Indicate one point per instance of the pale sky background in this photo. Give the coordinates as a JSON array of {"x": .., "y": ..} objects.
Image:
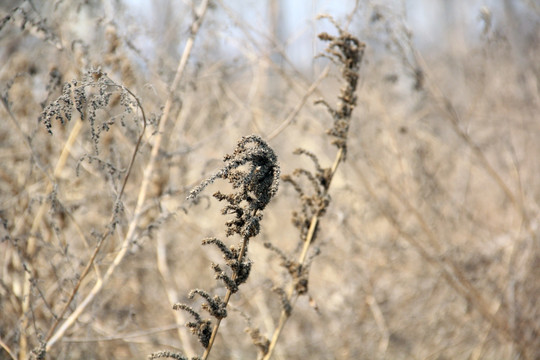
[{"x": 428, "y": 21}]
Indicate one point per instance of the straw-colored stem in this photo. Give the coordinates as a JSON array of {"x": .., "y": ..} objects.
[
  {"x": 291, "y": 294},
  {"x": 31, "y": 246},
  {"x": 50, "y": 338},
  {"x": 149, "y": 170}
]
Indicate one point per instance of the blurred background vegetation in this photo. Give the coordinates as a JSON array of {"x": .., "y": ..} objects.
[{"x": 430, "y": 248}]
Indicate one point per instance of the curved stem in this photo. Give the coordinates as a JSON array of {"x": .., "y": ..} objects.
[
  {"x": 142, "y": 192},
  {"x": 50, "y": 338}
]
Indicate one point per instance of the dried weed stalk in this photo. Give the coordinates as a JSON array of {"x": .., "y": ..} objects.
[
  {"x": 254, "y": 172},
  {"x": 130, "y": 234},
  {"x": 312, "y": 186},
  {"x": 88, "y": 97},
  {"x": 93, "y": 93},
  {"x": 346, "y": 51}
]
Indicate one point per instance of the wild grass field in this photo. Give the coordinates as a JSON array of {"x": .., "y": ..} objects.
[{"x": 406, "y": 227}]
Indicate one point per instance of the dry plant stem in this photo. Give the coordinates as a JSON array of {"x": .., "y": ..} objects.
[
  {"x": 144, "y": 186},
  {"x": 7, "y": 349},
  {"x": 253, "y": 171},
  {"x": 291, "y": 295},
  {"x": 26, "y": 138},
  {"x": 248, "y": 32},
  {"x": 454, "y": 118},
  {"x": 50, "y": 338},
  {"x": 172, "y": 295},
  {"x": 490, "y": 314},
  {"x": 166, "y": 114},
  {"x": 380, "y": 321},
  {"x": 449, "y": 270},
  {"x": 225, "y": 301},
  {"x": 298, "y": 107},
  {"x": 31, "y": 246},
  {"x": 124, "y": 337}
]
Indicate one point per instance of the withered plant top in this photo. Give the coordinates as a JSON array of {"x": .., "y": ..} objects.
[
  {"x": 88, "y": 97},
  {"x": 312, "y": 186},
  {"x": 253, "y": 170},
  {"x": 346, "y": 51}
]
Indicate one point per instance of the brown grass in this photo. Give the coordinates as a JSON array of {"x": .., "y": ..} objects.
[{"x": 429, "y": 243}]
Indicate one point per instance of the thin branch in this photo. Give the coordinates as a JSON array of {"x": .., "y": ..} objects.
[
  {"x": 52, "y": 337},
  {"x": 291, "y": 295},
  {"x": 225, "y": 301},
  {"x": 292, "y": 115},
  {"x": 144, "y": 185},
  {"x": 7, "y": 349}
]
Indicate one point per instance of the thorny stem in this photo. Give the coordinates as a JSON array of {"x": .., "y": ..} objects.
[
  {"x": 292, "y": 296},
  {"x": 225, "y": 300}
]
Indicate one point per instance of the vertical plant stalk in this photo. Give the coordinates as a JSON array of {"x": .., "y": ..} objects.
[
  {"x": 491, "y": 314},
  {"x": 31, "y": 245},
  {"x": 225, "y": 301},
  {"x": 109, "y": 231},
  {"x": 53, "y": 337},
  {"x": 256, "y": 187},
  {"x": 315, "y": 220},
  {"x": 172, "y": 294},
  {"x": 144, "y": 185},
  {"x": 452, "y": 272},
  {"x": 347, "y": 51},
  {"x": 199, "y": 16},
  {"x": 253, "y": 171},
  {"x": 292, "y": 296}
]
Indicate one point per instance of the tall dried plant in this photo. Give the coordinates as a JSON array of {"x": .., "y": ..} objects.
[
  {"x": 253, "y": 172},
  {"x": 312, "y": 186}
]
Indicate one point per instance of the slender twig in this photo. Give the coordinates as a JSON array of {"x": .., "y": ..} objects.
[
  {"x": 7, "y": 349},
  {"x": 291, "y": 295},
  {"x": 225, "y": 301},
  {"x": 172, "y": 295},
  {"x": 31, "y": 245},
  {"x": 124, "y": 337},
  {"x": 455, "y": 120},
  {"x": 130, "y": 235},
  {"x": 292, "y": 115},
  {"x": 450, "y": 271},
  {"x": 347, "y": 51},
  {"x": 50, "y": 338}
]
